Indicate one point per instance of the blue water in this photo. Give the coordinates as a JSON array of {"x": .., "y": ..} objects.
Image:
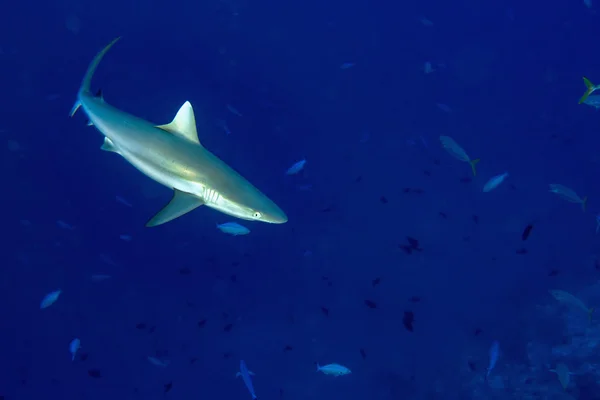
[{"x": 341, "y": 84}]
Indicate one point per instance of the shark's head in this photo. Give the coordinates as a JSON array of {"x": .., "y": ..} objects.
[
  {"x": 260, "y": 209},
  {"x": 242, "y": 200}
]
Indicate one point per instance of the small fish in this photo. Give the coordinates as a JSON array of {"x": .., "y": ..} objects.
[
  {"x": 347, "y": 65},
  {"x": 297, "y": 167},
  {"x": 233, "y": 110},
  {"x": 458, "y": 152},
  {"x": 494, "y": 354},
  {"x": 569, "y": 299},
  {"x": 426, "y": 22},
  {"x": 494, "y": 182},
  {"x": 590, "y": 88},
  {"x": 245, "y": 374},
  {"x": 526, "y": 232},
  {"x": 74, "y": 346},
  {"x": 333, "y": 369},
  {"x": 157, "y": 362},
  {"x": 126, "y": 238},
  {"x": 428, "y": 68},
  {"x": 233, "y": 228},
  {"x": 223, "y": 125},
  {"x": 444, "y": 107},
  {"x": 49, "y": 299},
  {"x": 568, "y": 194},
  {"x": 121, "y": 200},
  {"x": 63, "y": 225}
]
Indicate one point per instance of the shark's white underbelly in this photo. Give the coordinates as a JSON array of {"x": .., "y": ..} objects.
[{"x": 154, "y": 170}]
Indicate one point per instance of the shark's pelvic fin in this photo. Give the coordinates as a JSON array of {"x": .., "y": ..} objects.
[
  {"x": 108, "y": 145},
  {"x": 183, "y": 124},
  {"x": 180, "y": 204}
]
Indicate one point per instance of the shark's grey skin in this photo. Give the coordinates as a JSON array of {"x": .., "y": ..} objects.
[{"x": 172, "y": 155}]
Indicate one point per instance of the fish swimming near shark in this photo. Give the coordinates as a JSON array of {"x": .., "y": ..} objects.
[{"x": 173, "y": 156}]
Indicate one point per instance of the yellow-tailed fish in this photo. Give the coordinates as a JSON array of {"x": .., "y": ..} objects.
[
  {"x": 568, "y": 299},
  {"x": 568, "y": 194},
  {"x": 458, "y": 152},
  {"x": 590, "y": 88}
]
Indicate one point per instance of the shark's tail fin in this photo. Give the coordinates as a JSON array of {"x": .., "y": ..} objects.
[
  {"x": 87, "y": 79},
  {"x": 590, "y": 88},
  {"x": 473, "y": 164}
]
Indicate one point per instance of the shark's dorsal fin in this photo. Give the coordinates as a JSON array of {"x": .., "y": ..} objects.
[
  {"x": 183, "y": 124},
  {"x": 180, "y": 204}
]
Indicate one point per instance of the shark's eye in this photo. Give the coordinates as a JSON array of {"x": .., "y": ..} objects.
[{"x": 257, "y": 215}]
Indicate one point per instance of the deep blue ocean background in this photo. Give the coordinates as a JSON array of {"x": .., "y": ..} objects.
[{"x": 507, "y": 79}]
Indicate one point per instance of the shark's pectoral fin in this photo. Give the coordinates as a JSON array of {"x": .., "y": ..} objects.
[
  {"x": 180, "y": 204},
  {"x": 183, "y": 124},
  {"x": 108, "y": 145}
]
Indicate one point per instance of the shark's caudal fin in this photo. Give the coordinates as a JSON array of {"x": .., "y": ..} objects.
[
  {"x": 87, "y": 78},
  {"x": 473, "y": 164},
  {"x": 590, "y": 88}
]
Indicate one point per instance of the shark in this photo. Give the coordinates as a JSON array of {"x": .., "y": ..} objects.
[{"x": 173, "y": 156}]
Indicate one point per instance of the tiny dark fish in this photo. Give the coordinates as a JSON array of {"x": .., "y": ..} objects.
[
  {"x": 152, "y": 329},
  {"x": 414, "y": 299},
  {"x": 443, "y": 215},
  {"x": 363, "y": 354},
  {"x": 475, "y": 218},
  {"x": 407, "y": 249},
  {"x": 233, "y": 278},
  {"x": 478, "y": 331},
  {"x": 370, "y": 304},
  {"x": 414, "y": 243},
  {"x": 168, "y": 387},
  {"x": 227, "y": 355},
  {"x": 358, "y": 179},
  {"x": 327, "y": 209},
  {"x": 185, "y": 271},
  {"x": 288, "y": 348},
  {"x": 281, "y": 393},
  {"x": 472, "y": 366},
  {"x": 521, "y": 251},
  {"x": 553, "y": 272},
  {"x": 383, "y": 200},
  {"x": 466, "y": 180},
  {"x": 427, "y": 172},
  {"x": 228, "y": 327},
  {"x": 193, "y": 360},
  {"x": 597, "y": 264},
  {"x": 83, "y": 356},
  {"x": 325, "y": 311},
  {"x": 526, "y": 232},
  {"x": 94, "y": 373},
  {"x": 408, "y": 320},
  {"x": 376, "y": 282},
  {"x": 201, "y": 323},
  {"x": 141, "y": 325},
  {"x": 436, "y": 161}
]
